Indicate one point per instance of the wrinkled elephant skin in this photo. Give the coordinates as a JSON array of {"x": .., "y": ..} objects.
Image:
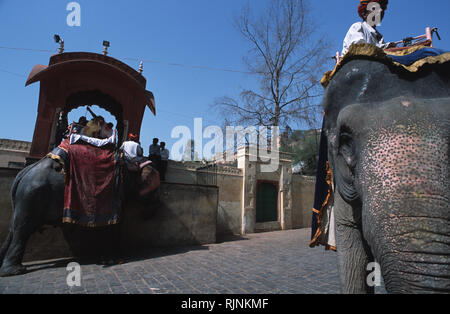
[{"x": 388, "y": 138}]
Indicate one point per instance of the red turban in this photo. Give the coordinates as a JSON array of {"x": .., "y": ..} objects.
[
  {"x": 133, "y": 137},
  {"x": 364, "y": 3}
]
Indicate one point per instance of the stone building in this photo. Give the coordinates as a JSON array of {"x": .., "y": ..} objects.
[
  {"x": 13, "y": 153},
  {"x": 200, "y": 203},
  {"x": 251, "y": 200}
]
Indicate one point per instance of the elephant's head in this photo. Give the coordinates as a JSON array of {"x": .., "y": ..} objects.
[
  {"x": 150, "y": 181},
  {"x": 388, "y": 146}
]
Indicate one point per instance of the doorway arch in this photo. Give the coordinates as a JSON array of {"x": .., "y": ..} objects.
[{"x": 100, "y": 99}]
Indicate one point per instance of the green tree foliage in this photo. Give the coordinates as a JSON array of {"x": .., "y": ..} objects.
[{"x": 304, "y": 145}]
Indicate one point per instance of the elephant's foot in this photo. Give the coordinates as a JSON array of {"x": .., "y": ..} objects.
[{"x": 12, "y": 270}]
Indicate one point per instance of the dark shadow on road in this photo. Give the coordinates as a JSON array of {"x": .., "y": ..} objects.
[
  {"x": 229, "y": 238},
  {"x": 128, "y": 257},
  {"x": 167, "y": 251},
  {"x": 106, "y": 262},
  {"x": 160, "y": 252}
]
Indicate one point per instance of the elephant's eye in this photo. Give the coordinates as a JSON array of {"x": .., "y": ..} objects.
[{"x": 346, "y": 147}]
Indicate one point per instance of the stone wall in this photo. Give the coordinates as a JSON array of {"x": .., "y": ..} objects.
[
  {"x": 229, "y": 212},
  {"x": 180, "y": 172},
  {"x": 230, "y": 184},
  {"x": 13, "y": 152},
  {"x": 303, "y": 200},
  {"x": 188, "y": 216},
  {"x": 234, "y": 216},
  {"x": 6, "y": 179}
]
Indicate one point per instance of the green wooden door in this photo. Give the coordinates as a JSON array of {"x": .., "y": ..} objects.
[{"x": 267, "y": 203}]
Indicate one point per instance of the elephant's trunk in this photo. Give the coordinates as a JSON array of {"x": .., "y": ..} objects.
[
  {"x": 406, "y": 196},
  {"x": 414, "y": 251}
]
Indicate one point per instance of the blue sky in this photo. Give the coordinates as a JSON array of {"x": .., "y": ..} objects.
[{"x": 189, "y": 32}]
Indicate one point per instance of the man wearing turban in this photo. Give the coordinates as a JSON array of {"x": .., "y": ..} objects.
[
  {"x": 365, "y": 31},
  {"x": 132, "y": 149}
]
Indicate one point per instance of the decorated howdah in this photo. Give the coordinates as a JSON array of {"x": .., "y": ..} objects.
[
  {"x": 91, "y": 197},
  {"x": 411, "y": 59}
]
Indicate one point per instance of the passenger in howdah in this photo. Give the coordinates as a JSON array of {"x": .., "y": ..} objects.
[{"x": 366, "y": 31}]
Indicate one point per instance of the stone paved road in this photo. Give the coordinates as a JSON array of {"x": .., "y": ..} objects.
[{"x": 272, "y": 263}]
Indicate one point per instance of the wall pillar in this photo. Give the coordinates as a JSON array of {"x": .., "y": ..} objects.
[
  {"x": 286, "y": 196},
  {"x": 249, "y": 170}
]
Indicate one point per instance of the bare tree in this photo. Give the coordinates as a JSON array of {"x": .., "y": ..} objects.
[{"x": 287, "y": 57}]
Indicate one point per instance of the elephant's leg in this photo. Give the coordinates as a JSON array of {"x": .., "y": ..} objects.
[
  {"x": 353, "y": 252},
  {"x": 23, "y": 226},
  {"x": 12, "y": 263},
  {"x": 5, "y": 246}
]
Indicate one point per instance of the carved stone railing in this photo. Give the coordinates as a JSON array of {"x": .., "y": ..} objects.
[
  {"x": 179, "y": 165},
  {"x": 207, "y": 174},
  {"x": 305, "y": 178},
  {"x": 229, "y": 170},
  {"x": 16, "y": 146}
]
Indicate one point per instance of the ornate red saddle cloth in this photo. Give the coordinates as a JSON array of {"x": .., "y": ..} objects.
[{"x": 91, "y": 197}]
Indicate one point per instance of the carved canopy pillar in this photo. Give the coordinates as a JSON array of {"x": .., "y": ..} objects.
[{"x": 80, "y": 78}]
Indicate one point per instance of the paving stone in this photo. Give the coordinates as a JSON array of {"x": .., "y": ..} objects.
[{"x": 274, "y": 262}]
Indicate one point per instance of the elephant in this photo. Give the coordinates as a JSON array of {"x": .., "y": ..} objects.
[
  {"x": 37, "y": 196},
  {"x": 387, "y": 131}
]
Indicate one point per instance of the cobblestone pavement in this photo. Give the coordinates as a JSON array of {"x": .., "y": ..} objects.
[{"x": 262, "y": 263}]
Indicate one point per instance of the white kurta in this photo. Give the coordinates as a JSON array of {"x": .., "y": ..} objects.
[
  {"x": 360, "y": 33},
  {"x": 164, "y": 154},
  {"x": 92, "y": 140},
  {"x": 131, "y": 149}
]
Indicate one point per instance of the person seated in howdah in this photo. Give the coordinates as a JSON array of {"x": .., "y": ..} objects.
[
  {"x": 366, "y": 31},
  {"x": 93, "y": 127},
  {"x": 97, "y": 127},
  {"x": 95, "y": 132},
  {"x": 77, "y": 127},
  {"x": 107, "y": 130}
]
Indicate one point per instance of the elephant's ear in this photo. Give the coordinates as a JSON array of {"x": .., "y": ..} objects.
[
  {"x": 355, "y": 83},
  {"x": 343, "y": 154}
]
